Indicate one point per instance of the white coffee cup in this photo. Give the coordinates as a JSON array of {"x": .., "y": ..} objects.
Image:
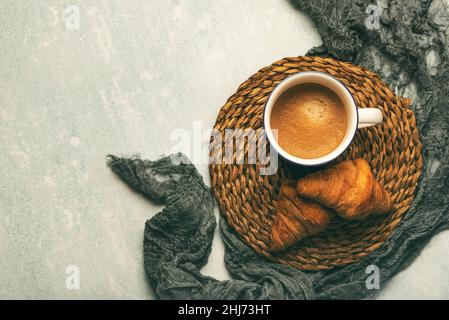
[{"x": 356, "y": 118}]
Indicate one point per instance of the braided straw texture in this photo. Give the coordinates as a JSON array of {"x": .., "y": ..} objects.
[{"x": 393, "y": 149}]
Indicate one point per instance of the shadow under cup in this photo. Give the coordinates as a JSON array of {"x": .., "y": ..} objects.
[{"x": 325, "y": 80}]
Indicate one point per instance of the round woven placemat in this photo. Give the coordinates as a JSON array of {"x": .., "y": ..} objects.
[{"x": 393, "y": 149}]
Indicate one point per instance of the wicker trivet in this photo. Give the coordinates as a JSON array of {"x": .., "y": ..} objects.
[{"x": 393, "y": 150}]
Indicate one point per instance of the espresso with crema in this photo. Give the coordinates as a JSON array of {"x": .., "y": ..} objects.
[{"x": 311, "y": 121}]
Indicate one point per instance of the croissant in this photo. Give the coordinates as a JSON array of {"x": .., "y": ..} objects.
[
  {"x": 349, "y": 188},
  {"x": 296, "y": 218}
]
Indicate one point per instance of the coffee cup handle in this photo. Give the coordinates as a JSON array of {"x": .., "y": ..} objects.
[{"x": 369, "y": 117}]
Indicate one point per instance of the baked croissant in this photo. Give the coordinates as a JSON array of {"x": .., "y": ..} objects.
[
  {"x": 296, "y": 218},
  {"x": 349, "y": 188}
]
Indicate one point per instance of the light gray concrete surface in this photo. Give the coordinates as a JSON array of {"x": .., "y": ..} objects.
[{"x": 131, "y": 74}]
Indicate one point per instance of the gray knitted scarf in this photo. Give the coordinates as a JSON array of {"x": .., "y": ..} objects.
[{"x": 408, "y": 46}]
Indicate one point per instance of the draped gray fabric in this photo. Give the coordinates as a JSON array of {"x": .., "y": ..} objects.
[
  {"x": 177, "y": 241},
  {"x": 409, "y": 51}
]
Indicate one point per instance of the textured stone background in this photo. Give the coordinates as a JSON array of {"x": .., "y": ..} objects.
[{"x": 133, "y": 72}]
